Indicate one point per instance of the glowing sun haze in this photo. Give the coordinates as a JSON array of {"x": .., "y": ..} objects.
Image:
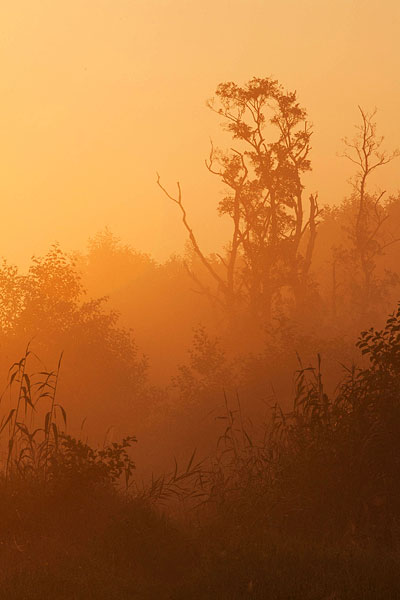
[{"x": 98, "y": 95}]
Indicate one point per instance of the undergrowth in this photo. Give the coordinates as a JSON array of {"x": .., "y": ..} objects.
[{"x": 305, "y": 506}]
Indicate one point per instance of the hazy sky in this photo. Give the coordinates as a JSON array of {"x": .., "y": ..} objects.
[{"x": 96, "y": 95}]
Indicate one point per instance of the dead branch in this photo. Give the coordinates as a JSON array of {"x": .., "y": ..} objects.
[{"x": 192, "y": 237}]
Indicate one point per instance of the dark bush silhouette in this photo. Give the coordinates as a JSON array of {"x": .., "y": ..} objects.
[{"x": 328, "y": 468}]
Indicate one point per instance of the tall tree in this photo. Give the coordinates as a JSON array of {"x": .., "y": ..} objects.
[{"x": 273, "y": 232}]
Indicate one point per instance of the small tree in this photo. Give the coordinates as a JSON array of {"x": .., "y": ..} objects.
[{"x": 273, "y": 235}]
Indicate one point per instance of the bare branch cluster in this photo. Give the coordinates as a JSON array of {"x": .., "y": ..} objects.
[{"x": 367, "y": 232}]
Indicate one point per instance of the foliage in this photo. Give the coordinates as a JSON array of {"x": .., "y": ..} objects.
[
  {"x": 306, "y": 510},
  {"x": 272, "y": 243},
  {"x": 44, "y": 451},
  {"x": 208, "y": 370},
  {"x": 48, "y": 304},
  {"x": 78, "y": 462},
  {"x": 327, "y": 468}
]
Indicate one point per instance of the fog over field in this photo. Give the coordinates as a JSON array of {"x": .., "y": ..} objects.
[{"x": 200, "y": 299}]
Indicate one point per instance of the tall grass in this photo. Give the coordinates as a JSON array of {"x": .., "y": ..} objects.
[
  {"x": 329, "y": 468},
  {"x": 305, "y": 505},
  {"x": 32, "y": 425},
  {"x": 34, "y": 432}
]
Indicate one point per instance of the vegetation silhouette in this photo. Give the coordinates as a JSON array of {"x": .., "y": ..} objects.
[
  {"x": 322, "y": 477},
  {"x": 246, "y": 481},
  {"x": 272, "y": 239}
]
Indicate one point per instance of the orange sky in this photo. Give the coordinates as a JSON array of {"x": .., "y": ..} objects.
[{"x": 96, "y": 95}]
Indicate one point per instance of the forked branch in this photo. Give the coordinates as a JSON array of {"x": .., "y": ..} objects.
[{"x": 192, "y": 237}]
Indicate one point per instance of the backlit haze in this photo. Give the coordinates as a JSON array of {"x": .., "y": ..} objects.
[{"x": 98, "y": 95}]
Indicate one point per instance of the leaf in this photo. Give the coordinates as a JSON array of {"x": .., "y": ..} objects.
[
  {"x": 22, "y": 427},
  {"x": 10, "y": 414},
  {"x": 47, "y": 423},
  {"x": 64, "y": 414},
  {"x": 28, "y": 382},
  {"x": 27, "y": 401},
  {"x": 191, "y": 461},
  {"x": 55, "y": 433}
]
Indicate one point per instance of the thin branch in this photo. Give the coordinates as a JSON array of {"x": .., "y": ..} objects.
[{"x": 192, "y": 237}]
